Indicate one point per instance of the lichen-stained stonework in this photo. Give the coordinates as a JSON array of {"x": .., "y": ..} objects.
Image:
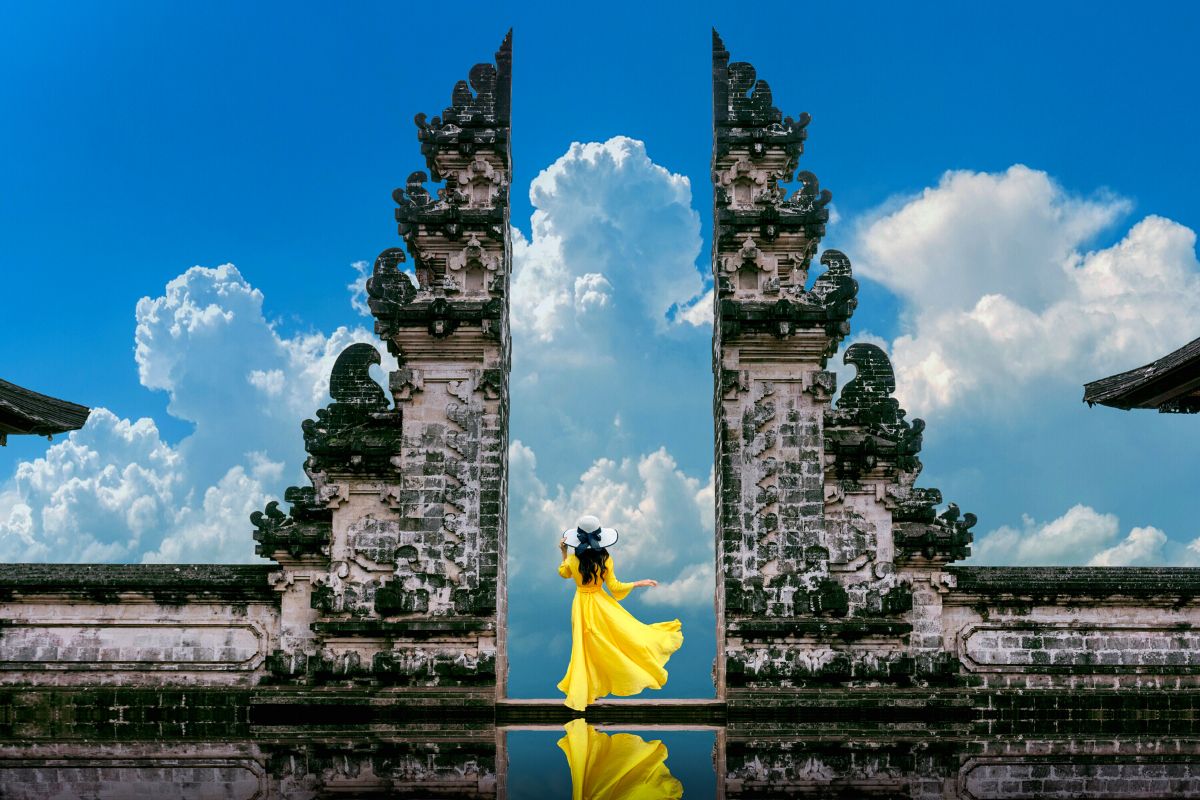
[
  {"x": 811, "y": 588},
  {"x": 136, "y": 624},
  {"x": 393, "y": 563}
]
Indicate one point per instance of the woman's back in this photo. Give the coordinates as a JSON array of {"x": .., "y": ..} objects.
[{"x": 570, "y": 568}]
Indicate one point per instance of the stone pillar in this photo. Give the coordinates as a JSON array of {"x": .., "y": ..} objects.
[
  {"x": 400, "y": 543},
  {"x": 807, "y": 587},
  {"x": 772, "y": 334}
]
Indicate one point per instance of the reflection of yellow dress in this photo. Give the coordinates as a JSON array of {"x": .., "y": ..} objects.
[
  {"x": 611, "y": 651},
  {"x": 617, "y": 767}
]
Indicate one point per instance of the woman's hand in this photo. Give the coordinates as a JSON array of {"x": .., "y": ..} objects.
[
  {"x": 562, "y": 548},
  {"x": 646, "y": 582}
]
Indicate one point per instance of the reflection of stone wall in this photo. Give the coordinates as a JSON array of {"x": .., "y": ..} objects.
[
  {"x": 113, "y": 714},
  {"x": 103, "y": 778},
  {"x": 924, "y": 766},
  {"x": 1050, "y": 778},
  {"x": 912, "y": 763},
  {"x": 244, "y": 769},
  {"x": 1125, "y": 766}
]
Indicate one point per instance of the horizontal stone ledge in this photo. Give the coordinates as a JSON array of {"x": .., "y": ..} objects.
[
  {"x": 353, "y": 712},
  {"x": 169, "y": 583},
  {"x": 337, "y": 695},
  {"x": 772, "y": 311},
  {"x": 131, "y": 714},
  {"x": 869, "y": 702},
  {"x": 843, "y": 629},
  {"x": 1062, "y": 583},
  {"x": 416, "y": 628}
]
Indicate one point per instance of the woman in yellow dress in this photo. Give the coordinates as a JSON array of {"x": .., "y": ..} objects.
[{"x": 611, "y": 651}]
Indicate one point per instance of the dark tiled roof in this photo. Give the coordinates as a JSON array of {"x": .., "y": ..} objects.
[
  {"x": 228, "y": 581},
  {"x": 1172, "y": 383},
  {"x": 24, "y": 411},
  {"x": 1080, "y": 581}
]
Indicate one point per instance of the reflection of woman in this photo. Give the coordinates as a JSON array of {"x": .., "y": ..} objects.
[
  {"x": 617, "y": 767},
  {"x": 611, "y": 651}
]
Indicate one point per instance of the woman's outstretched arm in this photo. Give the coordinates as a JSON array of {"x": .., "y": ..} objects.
[{"x": 619, "y": 589}]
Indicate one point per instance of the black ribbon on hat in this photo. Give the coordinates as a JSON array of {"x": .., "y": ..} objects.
[{"x": 588, "y": 540}]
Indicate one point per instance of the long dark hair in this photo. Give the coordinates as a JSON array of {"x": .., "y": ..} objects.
[{"x": 591, "y": 564}]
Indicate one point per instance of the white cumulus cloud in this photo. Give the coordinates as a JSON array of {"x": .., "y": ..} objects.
[
  {"x": 1081, "y": 536},
  {"x": 116, "y": 491},
  {"x": 605, "y": 214},
  {"x": 1142, "y": 547},
  {"x": 1000, "y": 292},
  {"x": 604, "y": 287},
  {"x": 695, "y": 586}
]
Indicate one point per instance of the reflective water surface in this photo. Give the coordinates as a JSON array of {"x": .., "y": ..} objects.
[
  {"x": 580, "y": 760},
  {"x": 603, "y": 763},
  {"x": 205, "y": 744}
]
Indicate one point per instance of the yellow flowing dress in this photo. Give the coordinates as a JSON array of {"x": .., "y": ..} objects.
[
  {"x": 611, "y": 651},
  {"x": 618, "y": 767}
]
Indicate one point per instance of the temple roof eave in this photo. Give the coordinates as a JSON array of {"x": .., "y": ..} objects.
[
  {"x": 1173, "y": 380},
  {"x": 23, "y": 411}
]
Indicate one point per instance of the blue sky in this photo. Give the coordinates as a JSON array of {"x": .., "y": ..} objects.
[{"x": 1015, "y": 185}]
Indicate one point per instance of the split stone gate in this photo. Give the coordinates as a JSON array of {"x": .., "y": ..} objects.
[{"x": 388, "y": 573}]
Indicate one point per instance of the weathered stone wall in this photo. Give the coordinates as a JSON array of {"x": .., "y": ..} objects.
[
  {"x": 1056, "y": 628},
  {"x": 832, "y": 565},
  {"x": 772, "y": 333},
  {"x": 391, "y": 563},
  {"x": 70, "y": 625}
]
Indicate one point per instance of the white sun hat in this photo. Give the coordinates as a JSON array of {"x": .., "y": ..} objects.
[{"x": 587, "y": 531}]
